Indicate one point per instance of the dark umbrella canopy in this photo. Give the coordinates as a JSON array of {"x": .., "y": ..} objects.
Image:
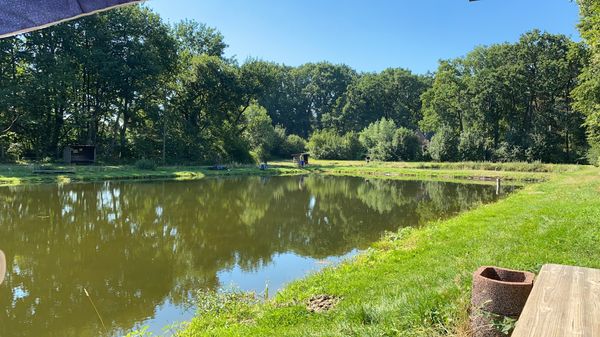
[{"x": 20, "y": 16}]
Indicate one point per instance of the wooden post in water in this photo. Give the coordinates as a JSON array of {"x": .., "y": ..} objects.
[
  {"x": 497, "y": 186},
  {"x": 2, "y": 266}
]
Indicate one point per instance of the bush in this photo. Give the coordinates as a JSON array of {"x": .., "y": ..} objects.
[
  {"x": 279, "y": 142},
  {"x": 145, "y": 164},
  {"x": 407, "y": 145},
  {"x": 593, "y": 155},
  {"x": 15, "y": 151},
  {"x": 378, "y": 139},
  {"x": 285, "y": 145},
  {"x": 384, "y": 141},
  {"x": 260, "y": 133},
  {"x": 328, "y": 144},
  {"x": 508, "y": 153},
  {"x": 473, "y": 146},
  {"x": 294, "y": 144},
  {"x": 444, "y": 145},
  {"x": 353, "y": 149}
]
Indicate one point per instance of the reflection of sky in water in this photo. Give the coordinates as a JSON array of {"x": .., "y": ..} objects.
[{"x": 283, "y": 269}]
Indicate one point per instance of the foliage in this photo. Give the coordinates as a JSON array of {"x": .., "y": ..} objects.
[
  {"x": 259, "y": 132},
  {"x": 15, "y": 151},
  {"x": 385, "y": 142},
  {"x": 295, "y": 144},
  {"x": 408, "y": 146},
  {"x": 506, "y": 152},
  {"x": 137, "y": 87},
  {"x": 593, "y": 154},
  {"x": 473, "y": 146},
  {"x": 587, "y": 94},
  {"x": 393, "y": 94},
  {"x": 515, "y": 96},
  {"x": 378, "y": 137},
  {"x": 145, "y": 164},
  {"x": 328, "y": 144},
  {"x": 444, "y": 145}
]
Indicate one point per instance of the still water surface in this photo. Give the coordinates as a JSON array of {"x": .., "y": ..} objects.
[{"x": 143, "y": 249}]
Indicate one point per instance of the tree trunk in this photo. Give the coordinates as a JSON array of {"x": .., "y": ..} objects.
[{"x": 124, "y": 129}]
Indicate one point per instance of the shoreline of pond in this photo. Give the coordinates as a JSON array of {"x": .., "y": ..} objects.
[
  {"x": 417, "y": 281},
  {"x": 14, "y": 175}
]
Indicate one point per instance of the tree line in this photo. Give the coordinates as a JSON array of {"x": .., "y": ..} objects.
[{"x": 137, "y": 87}]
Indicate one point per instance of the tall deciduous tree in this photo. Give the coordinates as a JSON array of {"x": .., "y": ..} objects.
[
  {"x": 587, "y": 94},
  {"x": 393, "y": 94},
  {"x": 513, "y": 96}
]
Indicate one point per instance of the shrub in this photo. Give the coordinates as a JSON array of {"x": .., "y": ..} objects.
[
  {"x": 294, "y": 144},
  {"x": 473, "y": 146},
  {"x": 145, "y": 164},
  {"x": 444, "y": 145},
  {"x": 508, "y": 153},
  {"x": 378, "y": 139},
  {"x": 15, "y": 151},
  {"x": 407, "y": 145},
  {"x": 544, "y": 147},
  {"x": 259, "y": 133},
  {"x": 593, "y": 154},
  {"x": 353, "y": 149},
  {"x": 279, "y": 142},
  {"x": 328, "y": 144},
  {"x": 384, "y": 141}
]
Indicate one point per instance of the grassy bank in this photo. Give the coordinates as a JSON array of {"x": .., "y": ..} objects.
[
  {"x": 514, "y": 172},
  {"x": 25, "y": 174},
  {"x": 417, "y": 282}
]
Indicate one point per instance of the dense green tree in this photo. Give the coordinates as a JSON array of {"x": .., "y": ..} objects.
[
  {"x": 322, "y": 85},
  {"x": 197, "y": 38},
  {"x": 393, "y": 94},
  {"x": 407, "y": 144},
  {"x": 515, "y": 95},
  {"x": 139, "y": 88},
  {"x": 587, "y": 94},
  {"x": 259, "y": 132}
]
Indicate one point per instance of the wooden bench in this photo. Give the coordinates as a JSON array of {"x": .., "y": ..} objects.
[{"x": 565, "y": 301}]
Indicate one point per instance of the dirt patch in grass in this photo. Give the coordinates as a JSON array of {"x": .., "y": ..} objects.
[{"x": 322, "y": 303}]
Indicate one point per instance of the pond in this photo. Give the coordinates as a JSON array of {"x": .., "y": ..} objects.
[{"x": 143, "y": 249}]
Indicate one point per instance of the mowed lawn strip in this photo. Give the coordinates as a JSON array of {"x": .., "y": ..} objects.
[
  {"x": 20, "y": 174},
  {"x": 417, "y": 282}
]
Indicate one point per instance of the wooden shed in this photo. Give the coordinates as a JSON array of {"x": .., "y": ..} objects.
[{"x": 80, "y": 154}]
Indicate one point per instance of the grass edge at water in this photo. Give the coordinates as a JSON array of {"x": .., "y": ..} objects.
[{"x": 418, "y": 283}]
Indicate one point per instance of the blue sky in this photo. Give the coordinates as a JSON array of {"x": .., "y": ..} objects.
[{"x": 369, "y": 35}]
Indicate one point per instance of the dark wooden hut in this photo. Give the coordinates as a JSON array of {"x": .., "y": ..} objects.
[{"x": 80, "y": 154}]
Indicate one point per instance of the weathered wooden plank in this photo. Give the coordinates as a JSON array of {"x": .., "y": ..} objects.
[{"x": 565, "y": 301}]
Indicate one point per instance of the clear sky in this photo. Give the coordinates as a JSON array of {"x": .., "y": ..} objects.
[{"x": 369, "y": 35}]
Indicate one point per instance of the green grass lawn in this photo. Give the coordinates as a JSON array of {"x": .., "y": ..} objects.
[
  {"x": 417, "y": 282},
  {"x": 24, "y": 174}
]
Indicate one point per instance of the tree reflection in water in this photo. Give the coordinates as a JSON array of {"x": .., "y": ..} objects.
[{"x": 134, "y": 246}]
